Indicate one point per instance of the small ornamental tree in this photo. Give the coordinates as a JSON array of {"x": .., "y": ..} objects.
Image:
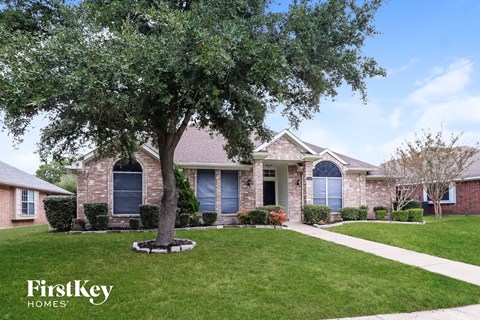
[
  {"x": 118, "y": 72},
  {"x": 436, "y": 162},
  {"x": 187, "y": 201}
]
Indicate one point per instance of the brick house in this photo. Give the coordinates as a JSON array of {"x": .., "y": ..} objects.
[
  {"x": 463, "y": 196},
  {"x": 285, "y": 171},
  {"x": 21, "y": 197}
]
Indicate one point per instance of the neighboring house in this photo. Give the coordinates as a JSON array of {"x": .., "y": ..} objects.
[
  {"x": 463, "y": 197},
  {"x": 21, "y": 197},
  {"x": 285, "y": 171}
]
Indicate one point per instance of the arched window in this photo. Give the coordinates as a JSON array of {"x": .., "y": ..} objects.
[
  {"x": 127, "y": 188},
  {"x": 327, "y": 185}
]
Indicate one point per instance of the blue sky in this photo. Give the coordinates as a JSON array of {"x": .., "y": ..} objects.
[{"x": 431, "y": 52}]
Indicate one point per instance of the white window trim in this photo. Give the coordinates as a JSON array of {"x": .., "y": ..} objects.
[
  {"x": 19, "y": 215},
  {"x": 452, "y": 196}
]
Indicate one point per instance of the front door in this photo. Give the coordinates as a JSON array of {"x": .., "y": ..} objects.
[{"x": 269, "y": 197}]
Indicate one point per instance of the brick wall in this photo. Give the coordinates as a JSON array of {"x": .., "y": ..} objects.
[
  {"x": 8, "y": 210},
  {"x": 95, "y": 183},
  {"x": 377, "y": 193},
  {"x": 284, "y": 149}
]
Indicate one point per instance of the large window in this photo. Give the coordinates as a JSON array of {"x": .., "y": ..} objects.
[
  {"x": 127, "y": 188},
  {"x": 327, "y": 185},
  {"x": 28, "y": 202},
  {"x": 448, "y": 197},
  {"x": 229, "y": 191},
  {"x": 206, "y": 189}
]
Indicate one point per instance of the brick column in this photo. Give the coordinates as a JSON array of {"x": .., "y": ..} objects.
[
  {"x": 308, "y": 183},
  {"x": 258, "y": 182}
]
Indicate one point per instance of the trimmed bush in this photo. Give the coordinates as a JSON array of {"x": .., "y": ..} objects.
[
  {"x": 313, "y": 213},
  {"x": 378, "y": 208},
  {"x": 271, "y": 208},
  {"x": 363, "y": 207},
  {"x": 258, "y": 216},
  {"x": 149, "y": 215},
  {"x": 79, "y": 224},
  {"x": 413, "y": 204},
  {"x": 277, "y": 218},
  {"x": 184, "y": 220},
  {"x": 102, "y": 222},
  {"x": 209, "y": 218},
  {"x": 381, "y": 214},
  {"x": 349, "y": 213},
  {"x": 243, "y": 216},
  {"x": 93, "y": 210},
  {"x": 195, "y": 219},
  {"x": 400, "y": 215},
  {"x": 60, "y": 211},
  {"x": 134, "y": 223},
  {"x": 362, "y": 214},
  {"x": 415, "y": 215}
]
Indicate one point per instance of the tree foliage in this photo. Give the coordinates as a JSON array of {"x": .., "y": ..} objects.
[
  {"x": 437, "y": 162},
  {"x": 116, "y": 73},
  {"x": 187, "y": 201}
]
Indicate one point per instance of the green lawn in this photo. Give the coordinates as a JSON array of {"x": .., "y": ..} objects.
[
  {"x": 232, "y": 274},
  {"x": 452, "y": 237}
]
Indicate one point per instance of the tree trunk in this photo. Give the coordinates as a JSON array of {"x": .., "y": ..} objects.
[
  {"x": 438, "y": 209},
  {"x": 168, "y": 205}
]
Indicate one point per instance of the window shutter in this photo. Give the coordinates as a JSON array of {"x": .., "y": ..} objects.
[
  {"x": 37, "y": 200},
  {"x": 18, "y": 202}
]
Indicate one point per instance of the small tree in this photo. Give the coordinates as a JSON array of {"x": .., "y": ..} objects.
[
  {"x": 402, "y": 182},
  {"x": 187, "y": 201},
  {"x": 436, "y": 163}
]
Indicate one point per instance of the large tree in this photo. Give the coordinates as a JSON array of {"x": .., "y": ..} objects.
[
  {"x": 436, "y": 162},
  {"x": 120, "y": 72}
]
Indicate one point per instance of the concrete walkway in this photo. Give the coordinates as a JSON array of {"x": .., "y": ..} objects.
[{"x": 453, "y": 269}]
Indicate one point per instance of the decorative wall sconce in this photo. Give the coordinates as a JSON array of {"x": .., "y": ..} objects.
[
  {"x": 298, "y": 182},
  {"x": 249, "y": 183}
]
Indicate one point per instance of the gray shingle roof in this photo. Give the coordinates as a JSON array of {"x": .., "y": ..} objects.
[
  {"x": 199, "y": 146},
  {"x": 11, "y": 176}
]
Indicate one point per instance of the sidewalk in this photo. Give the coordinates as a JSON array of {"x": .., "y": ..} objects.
[{"x": 453, "y": 269}]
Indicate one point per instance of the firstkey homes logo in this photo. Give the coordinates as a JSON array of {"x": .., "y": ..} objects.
[{"x": 60, "y": 293}]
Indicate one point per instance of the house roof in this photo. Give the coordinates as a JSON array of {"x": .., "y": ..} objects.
[
  {"x": 200, "y": 146},
  {"x": 12, "y": 176}
]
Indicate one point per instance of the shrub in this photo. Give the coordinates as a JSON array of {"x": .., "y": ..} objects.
[
  {"x": 149, "y": 215},
  {"x": 400, "y": 215},
  {"x": 277, "y": 218},
  {"x": 258, "y": 216},
  {"x": 413, "y": 204},
  {"x": 195, "y": 219},
  {"x": 209, "y": 218},
  {"x": 364, "y": 207},
  {"x": 134, "y": 223},
  {"x": 415, "y": 215},
  {"x": 93, "y": 210},
  {"x": 381, "y": 214},
  {"x": 362, "y": 214},
  {"x": 349, "y": 213},
  {"x": 102, "y": 222},
  {"x": 187, "y": 201},
  {"x": 271, "y": 208},
  {"x": 378, "y": 208},
  {"x": 184, "y": 220},
  {"x": 313, "y": 213},
  {"x": 243, "y": 216},
  {"x": 79, "y": 224},
  {"x": 60, "y": 211}
]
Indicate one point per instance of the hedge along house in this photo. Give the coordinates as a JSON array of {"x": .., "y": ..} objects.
[
  {"x": 285, "y": 171},
  {"x": 21, "y": 197}
]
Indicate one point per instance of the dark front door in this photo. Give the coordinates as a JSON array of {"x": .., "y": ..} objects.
[{"x": 269, "y": 193}]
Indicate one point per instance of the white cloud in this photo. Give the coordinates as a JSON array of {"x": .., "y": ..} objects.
[{"x": 450, "y": 82}]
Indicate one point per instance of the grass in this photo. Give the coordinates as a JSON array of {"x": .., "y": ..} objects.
[
  {"x": 232, "y": 274},
  {"x": 452, "y": 237}
]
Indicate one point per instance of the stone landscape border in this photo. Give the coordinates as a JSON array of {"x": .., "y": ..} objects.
[
  {"x": 326, "y": 226},
  {"x": 180, "y": 248}
]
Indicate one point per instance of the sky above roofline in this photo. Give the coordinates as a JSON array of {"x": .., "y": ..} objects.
[{"x": 431, "y": 52}]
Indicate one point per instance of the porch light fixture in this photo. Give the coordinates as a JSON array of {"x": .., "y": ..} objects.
[
  {"x": 298, "y": 182},
  {"x": 249, "y": 182}
]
